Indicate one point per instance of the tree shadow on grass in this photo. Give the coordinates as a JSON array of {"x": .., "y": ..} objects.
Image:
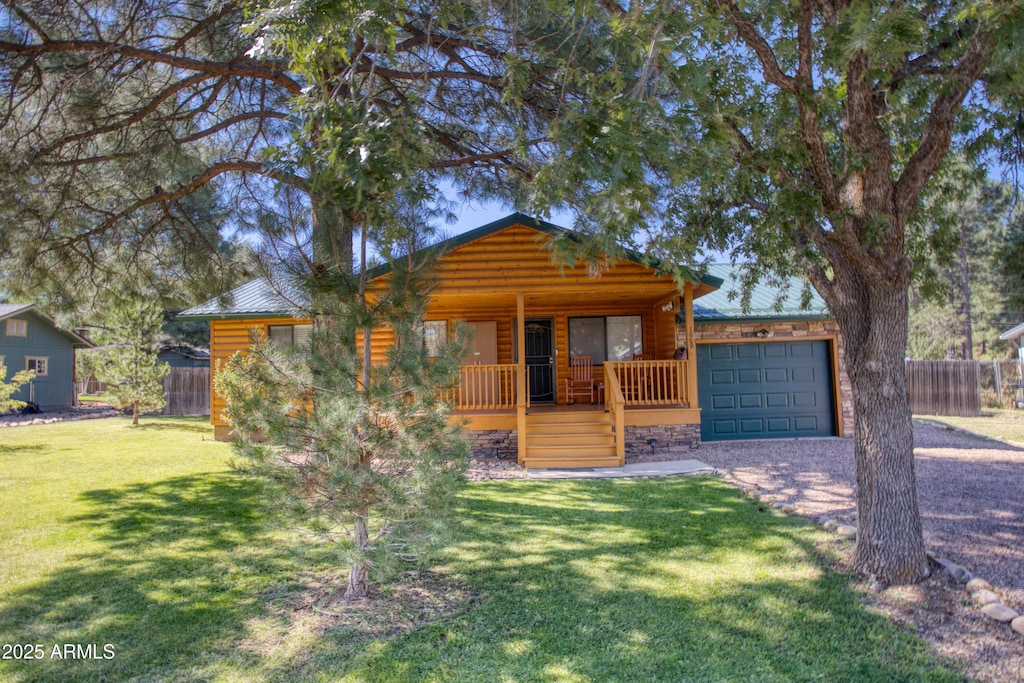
[
  {"x": 643, "y": 580},
  {"x": 178, "y": 575},
  {"x": 199, "y": 425},
  {"x": 21, "y": 450}
]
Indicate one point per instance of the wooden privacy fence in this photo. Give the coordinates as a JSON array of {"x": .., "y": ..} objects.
[
  {"x": 944, "y": 387},
  {"x": 187, "y": 391}
]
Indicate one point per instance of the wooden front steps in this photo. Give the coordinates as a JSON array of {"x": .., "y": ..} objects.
[{"x": 570, "y": 439}]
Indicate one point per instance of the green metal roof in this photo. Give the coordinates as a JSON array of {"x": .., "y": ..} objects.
[
  {"x": 768, "y": 302},
  {"x": 255, "y": 298}
]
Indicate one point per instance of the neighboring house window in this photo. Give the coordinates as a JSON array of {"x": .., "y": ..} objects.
[
  {"x": 616, "y": 337},
  {"x": 40, "y": 364},
  {"x": 17, "y": 328},
  {"x": 290, "y": 335},
  {"x": 435, "y": 335}
]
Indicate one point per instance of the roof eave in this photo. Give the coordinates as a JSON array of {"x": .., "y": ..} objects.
[
  {"x": 239, "y": 315},
  {"x": 786, "y": 318},
  {"x": 1014, "y": 333}
]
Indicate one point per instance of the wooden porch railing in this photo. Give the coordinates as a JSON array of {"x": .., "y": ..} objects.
[
  {"x": 615, "y": 404},
  {"x": 651, "y": 382},
  {"x": 485, "y": 387}
]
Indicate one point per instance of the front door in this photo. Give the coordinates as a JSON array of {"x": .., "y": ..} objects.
[{"x": 540, "y": 359}]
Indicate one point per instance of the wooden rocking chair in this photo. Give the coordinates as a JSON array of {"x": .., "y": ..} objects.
[{"x": 581, "y": 381}]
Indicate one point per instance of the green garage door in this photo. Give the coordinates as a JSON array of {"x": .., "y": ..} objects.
[{"x": 765, "y": 390}]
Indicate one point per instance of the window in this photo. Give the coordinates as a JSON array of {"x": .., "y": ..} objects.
[
  {"x": 617, "y": 337},
  {"x": 40, "y": 364},
  {"x": 290, "y": 335},
  {"x": 435, "y": 335},
  {"x": 17, "y": 328}
]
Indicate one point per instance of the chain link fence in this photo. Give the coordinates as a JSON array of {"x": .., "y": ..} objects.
[{"x": 1001, "y": 385}]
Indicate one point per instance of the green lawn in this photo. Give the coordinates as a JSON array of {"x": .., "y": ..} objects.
[
  {"x": 94, "y": 398},
  {"x": 144, "y": 539},
  {"x": 1007, "y": 425}
]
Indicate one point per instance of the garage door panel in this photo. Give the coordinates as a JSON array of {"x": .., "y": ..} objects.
[
  {"x": 724, "y": 427},
  {"x": 723, "y": 401},
  {"x": 803, "y": 374},
  {"x": 720, "y": 377},
  {"x": 805, "y": 399},
  {"x": 750, "y": 400},
  {"x": 749, "y": 376},
  {"x": 765, "y": 390},
  {"x": 805, "y": 424},
  {"x": 801, "y": 350},
  {"x": 750, "y": 426},
  {"x": 748, "y": 351},
  {"x": 721, "y": 351}
]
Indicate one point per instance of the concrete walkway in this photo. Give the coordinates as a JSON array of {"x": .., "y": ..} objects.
[{"x": 642, "y": 469}]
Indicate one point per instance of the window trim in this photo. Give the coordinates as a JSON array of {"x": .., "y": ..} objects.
[
  {"x": 46, "y": 365},
  {"x": 12, "y": 330}
]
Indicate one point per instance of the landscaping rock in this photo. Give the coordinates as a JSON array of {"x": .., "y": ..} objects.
[
  {"x": 984, "y": 597},
  {"x": 846, "y": 530},
  {"x": 1000, "y": 613},
  {"x": 1018, "y": 625},
  {"x": 977, "y": 584},
  {"x": 831, "y": 524},
  {"x": 953, "y": 571},
  {"x": 788, "y": 508},
  {"x": 778, "y": 505}
]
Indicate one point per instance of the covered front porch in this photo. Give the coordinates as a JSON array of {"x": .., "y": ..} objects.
[{"x": 644, "y": 387}]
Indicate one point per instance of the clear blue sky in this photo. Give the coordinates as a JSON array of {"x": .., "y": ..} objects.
[{"x": 474, "y": 214}]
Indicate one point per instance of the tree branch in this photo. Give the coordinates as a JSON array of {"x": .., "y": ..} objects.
[
  {"x": 227, "y": 123},
  {"x": 244, "y": 69},
  {"x": 756, "y": 42},
  {"x": 939, "y": 125}
]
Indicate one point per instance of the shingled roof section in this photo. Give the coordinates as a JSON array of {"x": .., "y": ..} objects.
[
  {"x": 724, "y": 303},
  {"x": 7, "y": 310}
]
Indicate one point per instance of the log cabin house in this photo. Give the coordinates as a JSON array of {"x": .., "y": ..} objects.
[{"x": 531, "y": 317}]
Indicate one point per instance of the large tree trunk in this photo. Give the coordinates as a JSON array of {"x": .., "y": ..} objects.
[{"x": 872, "y": 317}]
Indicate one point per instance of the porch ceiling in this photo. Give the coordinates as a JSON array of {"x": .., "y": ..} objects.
[{"x": 568, "y": 299}]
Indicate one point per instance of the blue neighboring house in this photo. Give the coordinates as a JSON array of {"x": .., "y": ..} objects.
[{"x": 30, "y": 340}]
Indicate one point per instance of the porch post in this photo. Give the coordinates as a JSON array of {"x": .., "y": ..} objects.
[
  {"x": 691, "y": 346},
  {"x": 521, "y": 377}
]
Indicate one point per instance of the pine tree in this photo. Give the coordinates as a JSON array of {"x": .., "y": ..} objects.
[
  {"x": 131, "y": 369},
  {"x": 7, "y": 388},
  {"x": 360, "y": 452}
]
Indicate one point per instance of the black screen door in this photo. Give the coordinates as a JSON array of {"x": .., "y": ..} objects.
[{"x": 540, "y": 359}]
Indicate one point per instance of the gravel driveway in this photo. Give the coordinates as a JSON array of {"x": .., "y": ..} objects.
[
  {"x": 971, "y": 491},
  {"x": 971, "y": 497}
]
